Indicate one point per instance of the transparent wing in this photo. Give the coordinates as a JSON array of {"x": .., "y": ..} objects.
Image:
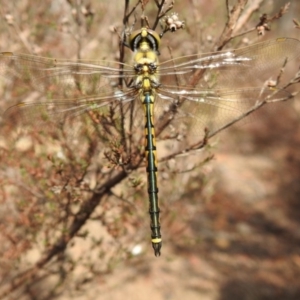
[
  {"x": 250, "y": 66},
  {"x": 67, "y": 89},
  {"x": 208, "y": 91},
  {"x": 63, "y": 78},
  {"x": 196, "y": 111},
  {"x": 57, "y": 110},
  {"x": 113, "y": 116}
]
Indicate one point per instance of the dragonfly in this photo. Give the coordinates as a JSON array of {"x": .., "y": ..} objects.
[{"x": 181, "y": 98}]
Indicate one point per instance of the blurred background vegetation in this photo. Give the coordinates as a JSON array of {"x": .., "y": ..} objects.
[{"x": 230, "y": 225}]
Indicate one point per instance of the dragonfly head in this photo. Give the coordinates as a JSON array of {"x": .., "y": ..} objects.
[{"x": 144, "y": 38}]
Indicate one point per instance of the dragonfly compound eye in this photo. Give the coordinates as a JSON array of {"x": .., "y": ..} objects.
[
  {"x": 138, "y": 68},
  {"x": 152, "y": 67}
]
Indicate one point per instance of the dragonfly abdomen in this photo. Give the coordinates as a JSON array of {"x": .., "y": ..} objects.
[{"x": 151, "y": 162}]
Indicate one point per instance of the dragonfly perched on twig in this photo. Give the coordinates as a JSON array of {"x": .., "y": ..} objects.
[{"x": 184, "y": 98}]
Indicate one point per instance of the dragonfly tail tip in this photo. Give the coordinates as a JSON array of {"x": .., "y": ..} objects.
[{"x": 156, "y": 247}]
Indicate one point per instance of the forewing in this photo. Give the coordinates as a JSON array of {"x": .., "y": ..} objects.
[
  {"x": 252, "y": 66},
  {"x": 62, "y": 78}
]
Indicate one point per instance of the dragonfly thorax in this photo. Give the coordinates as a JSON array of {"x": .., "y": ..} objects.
[{"x": 146, "y": 70}]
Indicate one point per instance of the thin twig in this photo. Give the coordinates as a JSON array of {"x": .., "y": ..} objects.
[{"x": 232, "y": 20}]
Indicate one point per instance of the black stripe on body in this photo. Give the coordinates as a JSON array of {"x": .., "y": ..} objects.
[{"x": 150, "y": 153}]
